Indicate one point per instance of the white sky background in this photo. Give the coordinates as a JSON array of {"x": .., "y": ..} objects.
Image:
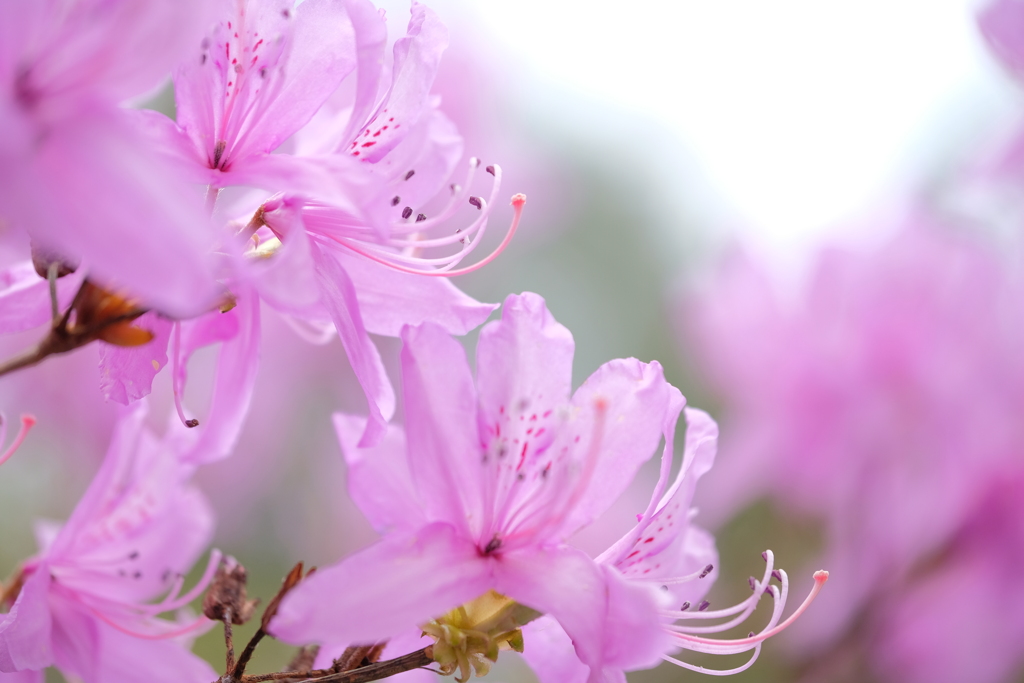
[{"x": 796, "y": 114}]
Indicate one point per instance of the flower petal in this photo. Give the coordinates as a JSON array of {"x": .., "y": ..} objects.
[
  {"x": 126, "y": 373},
  {"x": 640, "y": 408},
  {"x": 612, "y": 622},
  {"x": 549, "y": 652},
  {"x": 523, "y": 361},
  {"x": 402, "y": 581},
  {"x": 237, "y": 367},
  {"x": 25, "y": 297},
  {"x": 417, "y": 55},
  {"x": 125, "y": 659},
  {"x": 389, "y": 299},
  {"x": 25, "y": 630},
  {"x": 378, "y": 477},
  {"x": 94, "y": 190},
  {"x": 440, "y": 425},
  {"x": 339, "y": 296}
]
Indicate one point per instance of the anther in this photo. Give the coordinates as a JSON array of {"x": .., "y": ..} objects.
[
  {"x": 707, "y": 570},
  {"x": 764, "y": 555},
  {"x": 420, "y": 217},
  {"x": 474, "y": 162},
  {"x": 490, "y": 169},
  {"x": 454, "y": 188},
  {"x": 777, "y": 575},
  {"x": 396, "y": 200},
  {"x": 685, "y": 606},
  {"x": 475, "y": 201},
  {"x": 703, "y": 605},
  {"x": 753, "y": 583},
  {"x": 406, "y": 212},
  {"x": 192, "y": 423},
  {"x": 410, "y": 174},
  {"x": 492, "y": 545}
]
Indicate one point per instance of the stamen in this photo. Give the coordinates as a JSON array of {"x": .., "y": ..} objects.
[
  {"x": 475, "y": 201},
  {"x": 408, "y": 175},
  {"x": 820, "y": 577},
  {"x": 421, "y": 217},
  {"x": 490, "y": 169},
  {"x": 703, "y": 605},
  {"x": 396, "y": 200},
  {"x": 517, "y": 205},
  {"x": 406, "y": 212},
  {"x": 707, "y": 570},
  {"x": 27, "y": 422},
  {"x": 715, "y": 672}
]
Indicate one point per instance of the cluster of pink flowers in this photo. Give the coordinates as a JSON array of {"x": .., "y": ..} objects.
[
  {"x": 309, "y": 170},
  {"x": 884, "y": 402}
]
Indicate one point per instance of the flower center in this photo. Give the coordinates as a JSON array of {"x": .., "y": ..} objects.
[{"x": 468, "y": 638}]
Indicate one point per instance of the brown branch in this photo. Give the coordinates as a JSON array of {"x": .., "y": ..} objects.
[
  {"x": 290, "y": 581},
  {"x": 61, "y": 339},
  {"x": 372, "y": 672},
  {"x": 229, "y": 643}
]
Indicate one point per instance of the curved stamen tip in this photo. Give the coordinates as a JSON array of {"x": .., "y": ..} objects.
[
  {"x": 28, "y": 421},
  {"x": 518, "y": 199}
]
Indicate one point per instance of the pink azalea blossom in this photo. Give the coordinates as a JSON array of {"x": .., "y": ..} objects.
[
  {"x": 320, "y": 250},
  {"x": 73, "y": 171},
  {"x": 488, "y": 479},
  {"x": 84, "y": 601},
  {"x": 883, "y": 404}
]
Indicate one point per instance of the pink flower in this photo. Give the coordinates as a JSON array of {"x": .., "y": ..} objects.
[
  {"x": 884, "y": 404},
  {"x": 921, "y": 637},
  {"x": 257, "y": 76},
  {"x": 488, "y": 479},
  {"x": 73, "y": 172},
  {"x": 83, "y": 602}
]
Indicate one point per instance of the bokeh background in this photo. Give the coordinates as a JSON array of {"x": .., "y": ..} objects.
[{"x": 798, "y": 207}]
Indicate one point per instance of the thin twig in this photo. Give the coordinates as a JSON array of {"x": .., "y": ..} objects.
[
  {"x": 62, "y": 340},
  {"x": 229, "y": 642},
  {"x": 373, "y": 672}
]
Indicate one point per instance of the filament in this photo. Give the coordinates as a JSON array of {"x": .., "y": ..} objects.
[{"x": 27, "y": 422}]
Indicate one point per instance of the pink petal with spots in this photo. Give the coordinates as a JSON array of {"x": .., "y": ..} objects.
[
  {"x": 523, "y": 366},
  {"x": 371, "y": 38},
  {"x": 417, "y": 55},
  {"x": 138, "y": 520}
]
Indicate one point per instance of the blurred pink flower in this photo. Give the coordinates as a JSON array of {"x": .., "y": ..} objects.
[
  {"x": 82, "y": 604},
  {"x": 73, "y": 172},
  {"x": 884, "y": 404}
]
